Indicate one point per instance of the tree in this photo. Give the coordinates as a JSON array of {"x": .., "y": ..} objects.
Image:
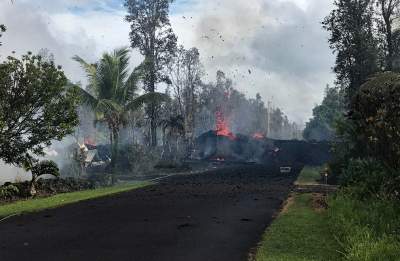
[
  {"x": 185, "y": 71},
  {"x": 377, "y": 119},
  {"x": 276, "y": 123},
  {"x": 352, "y": 38},
  {"x": 2, "y": 30},
  {"x": 388, "y": 12},
  {"x": 112, "y": 93},
  {"x": 39, "y": 169},
  {"x": 152, "y": 34},
  {"x": 173, "y": 128},
  {"x": 36, "y": 107},
  {"x": 322, "y": 125}
]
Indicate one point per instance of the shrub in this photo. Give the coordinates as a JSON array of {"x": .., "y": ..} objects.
[
  {"x": 7, "y": 192},
  {"x": 138, "y": 158},
  {"x": 376, "y": 115},
  {"x": 370, "y": 178}
]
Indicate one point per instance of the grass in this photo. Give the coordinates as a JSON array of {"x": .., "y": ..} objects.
[
  {"x": 309, "y": 175},
  {"x": 34, "y": 205},
  {"x": 366, "y": 229},
  {"x": 300, "y": 233}
]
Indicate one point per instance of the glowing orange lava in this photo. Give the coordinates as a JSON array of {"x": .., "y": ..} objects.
[
  {"x": 258, "y": 136},
  {"x": 223, "y": 126},
  {"x": 89, "y": 141}
]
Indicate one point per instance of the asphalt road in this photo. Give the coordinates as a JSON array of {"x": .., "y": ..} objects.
[{"x": 217, "y": 215}]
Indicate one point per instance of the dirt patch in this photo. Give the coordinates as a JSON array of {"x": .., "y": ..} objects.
[
  {"x": 289, "y": 202},
  {"x": 319, "y": 202},
  {"x": 316, "y": 188}
]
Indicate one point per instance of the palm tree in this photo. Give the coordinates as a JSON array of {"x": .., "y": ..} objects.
[{"x": 111, "y": 93}]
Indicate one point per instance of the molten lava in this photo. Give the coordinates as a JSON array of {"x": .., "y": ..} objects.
[
  {"x": 258, "y": 136},
  {"x": 223, "y": 126},
  {"x": 90, "y": 143}
]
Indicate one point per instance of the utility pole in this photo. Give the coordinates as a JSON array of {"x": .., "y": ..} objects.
[{"x": 268, "y": 119}]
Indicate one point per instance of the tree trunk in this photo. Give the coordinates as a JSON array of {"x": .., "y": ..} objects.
[
  {"x": 114, "y": 154},
  {"x": 32, "y": 186},
  {"x": 153, "y": 128},
  {"x": 389, "y": 59},
  {"x": 151, "y": 87},
  {"x": 151, "y": 110}
]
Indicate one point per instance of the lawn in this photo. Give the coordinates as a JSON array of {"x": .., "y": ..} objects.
[
  {"x": 33, "y": 205},
  {"x": 309, "y": 175},
  {"x": 300, "y": 233}
]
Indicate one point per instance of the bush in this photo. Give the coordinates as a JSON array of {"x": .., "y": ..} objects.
[
  {"x": 366, "y": 230},
  {"x": 137, "y": 158},
  {"x": 45, "y": 167},
  {"x": 370, "y": 178},
  {"x": 7, "y": 192},
  {"x": 375, "y": 113}
]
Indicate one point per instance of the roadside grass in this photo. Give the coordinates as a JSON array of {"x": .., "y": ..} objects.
[
  {"x": 300, "y": 233},
  {"x": 309, "y": 175},
  {"x": 34, "y": 205},
  {"x": 368, "y": 230}
]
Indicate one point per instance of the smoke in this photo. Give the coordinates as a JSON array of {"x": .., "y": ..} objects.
[
  {"x": 12, "y": 174},
  {"x": 273, "y": 47},
  {"x": 276, "y": 48}
]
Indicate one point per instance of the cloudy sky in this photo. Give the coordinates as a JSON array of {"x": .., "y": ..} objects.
[{"x": 280, "y": 41}]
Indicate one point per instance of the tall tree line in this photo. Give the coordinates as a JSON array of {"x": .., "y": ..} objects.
[{"x": 365, "y": 36}]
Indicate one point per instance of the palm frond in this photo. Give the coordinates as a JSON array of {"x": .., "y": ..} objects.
[
  {"x": 148, "y": 98},
  {"x": 90, "y": 69},
  {"x": 131, "y": 84},
  {"x": 85, "y": 97},
  {"x": 109, "y": 107}
]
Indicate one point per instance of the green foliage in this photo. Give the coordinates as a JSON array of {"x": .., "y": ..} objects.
[
  {"x": 34, "y": 205},
  {"x": 387, "y": 15},
  {"x": 2, "y": 30},
  {"x": 322, "y": 125},
  {"x": 35, "y": 107},
  {"x": 152, "y": 34},
  {"x": 8, "y": 191},
  {"x": 140, "y": 159},
  {"x": 175, "y": 125},
  {"x": 352, "y": 38},
  {"x": 46, "y": 167},
  {"x": 310, "y": 175},
  {"x": 375, "y": 113},
  {"x": 366, "y": 230},
  {"x": 112, "y": 92},
  {"x": 369, "y": 178}
]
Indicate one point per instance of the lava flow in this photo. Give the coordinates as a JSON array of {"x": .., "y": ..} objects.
[
  {"x": 258, "y": 136},
  {"x": 223, "y": 126}
]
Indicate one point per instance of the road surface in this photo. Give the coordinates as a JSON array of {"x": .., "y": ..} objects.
[{"x": 217, "y": 215}]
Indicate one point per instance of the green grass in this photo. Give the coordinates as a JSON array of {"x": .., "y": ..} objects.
[
  {"x": 299, "y": 234},
  {"x": 34, "y": 205},
  {"x": 309, "y": 175},
  {"x": 366, "y": 229}
]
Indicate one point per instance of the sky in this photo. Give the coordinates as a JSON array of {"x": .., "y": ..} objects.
[{"x": 273, "y": 47}]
